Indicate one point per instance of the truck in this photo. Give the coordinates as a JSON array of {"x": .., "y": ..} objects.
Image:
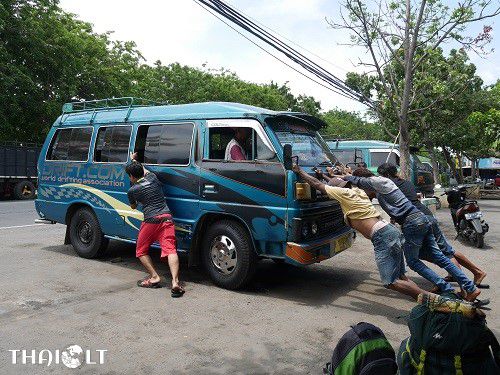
[{"x": 18, "y": 170}]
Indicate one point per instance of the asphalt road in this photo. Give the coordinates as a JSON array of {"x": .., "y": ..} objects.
[{"x": 287, "y": 321}]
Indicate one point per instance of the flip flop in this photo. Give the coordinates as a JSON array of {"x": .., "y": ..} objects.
[
  {"x": 482, "y": 286},
  {"x": 480, "y": 302},
  {"x": 177, "y": 292},
  {"x": 146, "y": 283}
]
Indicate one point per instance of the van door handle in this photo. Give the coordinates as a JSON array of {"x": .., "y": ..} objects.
[{"x": 209, "y": 189}]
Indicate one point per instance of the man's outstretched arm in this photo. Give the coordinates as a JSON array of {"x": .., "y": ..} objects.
[{"x": 314, "y": 182}]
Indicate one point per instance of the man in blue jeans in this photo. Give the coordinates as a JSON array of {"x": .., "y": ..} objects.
[
  {"x": 390, "y": 171},
  {"x": 417, "y": 230}
]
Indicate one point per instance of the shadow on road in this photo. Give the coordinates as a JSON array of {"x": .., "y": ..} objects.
[{"x": 317, "y": 285}]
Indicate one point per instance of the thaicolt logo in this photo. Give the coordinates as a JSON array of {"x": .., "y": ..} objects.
[
  {"x": 72, "y": 357},
  {"x": 437, "y": 336}
]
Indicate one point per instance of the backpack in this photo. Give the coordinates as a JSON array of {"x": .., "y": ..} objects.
[
  {"x": 363, "y": 350},
  {"x": 448, "y": 344}
]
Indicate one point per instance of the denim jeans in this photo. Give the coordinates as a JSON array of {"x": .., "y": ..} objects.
[
  {"x": 441, "y": 241},
  {"x": 420, "y": 243},
  {"x": 388, "y": 254}
]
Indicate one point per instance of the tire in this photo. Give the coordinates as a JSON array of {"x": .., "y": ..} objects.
[
  {"x": 479, "y": 240},
  {"x": 86, "y": 235},
  {"x": 24, "y": 190},
  {"x": 228, "y": 255}
]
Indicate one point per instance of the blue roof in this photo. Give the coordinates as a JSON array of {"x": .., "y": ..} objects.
[{"x": 208, "y": 110}]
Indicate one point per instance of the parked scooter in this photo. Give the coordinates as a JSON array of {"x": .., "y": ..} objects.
[{"x": 467, "y": 216}]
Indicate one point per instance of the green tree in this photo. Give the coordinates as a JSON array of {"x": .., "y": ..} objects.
[
  {"x": 47, "y": 57},
  {"x": 350, "y": 125},
  {"x": 400, "y": 36}
]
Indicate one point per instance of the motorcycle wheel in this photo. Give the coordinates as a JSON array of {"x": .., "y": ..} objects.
[{"x": 479, "y": 240}]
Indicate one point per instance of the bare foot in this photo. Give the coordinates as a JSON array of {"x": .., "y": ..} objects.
[
  {"x": 470, "y": 297},
  {"x": 478, "y": 279}
]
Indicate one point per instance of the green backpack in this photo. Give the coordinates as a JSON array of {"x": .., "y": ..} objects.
[{"x": 448, "y": 344}]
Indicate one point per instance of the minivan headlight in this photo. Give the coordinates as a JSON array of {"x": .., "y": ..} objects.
[
  {"x": 314, "y": 227},
  {"x": 305, "y": 230}
]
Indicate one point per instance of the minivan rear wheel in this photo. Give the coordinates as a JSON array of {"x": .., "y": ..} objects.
[
  {"x": 228, "y": 254},
  {"x": 86, "y": 235}
]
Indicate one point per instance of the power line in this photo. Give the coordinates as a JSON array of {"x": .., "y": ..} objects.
[
  {"x": 233, "y": 15},
  {"x": 272, "y": 55}
]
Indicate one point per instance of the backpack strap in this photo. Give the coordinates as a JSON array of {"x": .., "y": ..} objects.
[
  {"x": 495, "y": 347},
  {"x": 421, "y": 361},
  {"x": 458, "y": 365}
]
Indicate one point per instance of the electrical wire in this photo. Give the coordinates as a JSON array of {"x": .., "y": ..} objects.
[
  {"x": 334, "y": 83},
  {"x": 272, "y": 55}
]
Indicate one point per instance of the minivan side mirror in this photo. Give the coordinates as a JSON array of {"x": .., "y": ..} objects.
[{"x": 287, "y": 157}]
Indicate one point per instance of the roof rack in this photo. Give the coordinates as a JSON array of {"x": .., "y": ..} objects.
[{"x": 95, "y": 106}]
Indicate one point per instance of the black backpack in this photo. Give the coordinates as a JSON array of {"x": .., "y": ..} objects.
[
  {"x": 448, "y": 344},
  {"x": 363, "y": 350}
]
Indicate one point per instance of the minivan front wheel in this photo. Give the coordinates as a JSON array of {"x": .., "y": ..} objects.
[
  {"x": 228, "y": 254},
  {"x": 86, "y": 235}
]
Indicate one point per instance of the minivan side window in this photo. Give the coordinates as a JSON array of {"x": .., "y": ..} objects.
[
  {"x": 379, "y": 158},
  {"x": 111, "y": 145},
  {"x": 255, "y": 148},
  {"x": 70, "y": 144},
  {"x": 167, "y": 144}
]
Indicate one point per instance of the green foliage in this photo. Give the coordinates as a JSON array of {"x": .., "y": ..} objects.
[
  {"x": 350, "y": 125},
  {"x": 48, "y": 57}
]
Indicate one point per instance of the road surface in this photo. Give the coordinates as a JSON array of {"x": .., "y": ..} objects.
[{"x": 287, "y": 321}]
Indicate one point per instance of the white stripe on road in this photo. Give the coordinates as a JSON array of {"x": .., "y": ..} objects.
[{"x": 22, "y": 226}]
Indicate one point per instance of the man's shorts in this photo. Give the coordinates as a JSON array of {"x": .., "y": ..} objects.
[
  {"x": 389, "y": 254},
  {"x": 163, "y": 232}
]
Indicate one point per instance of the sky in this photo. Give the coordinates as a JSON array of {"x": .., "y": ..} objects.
[{"x": 181, "y": 31}]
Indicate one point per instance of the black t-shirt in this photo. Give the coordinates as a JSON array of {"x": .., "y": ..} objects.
[
  {"x": 410, "y": 192},
  {"x": 148, "y": 192}
]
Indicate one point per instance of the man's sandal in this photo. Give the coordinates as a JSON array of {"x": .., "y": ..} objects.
[
  {"x": 177, "y": 292},
  {"x": 146, "y": 283}
]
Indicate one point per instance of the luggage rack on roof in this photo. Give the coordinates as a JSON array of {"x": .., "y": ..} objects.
[{"x": 105, "y": 105}]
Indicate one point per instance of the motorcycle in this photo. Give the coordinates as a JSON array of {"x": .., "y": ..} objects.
[{"x": 466, "y": 215}]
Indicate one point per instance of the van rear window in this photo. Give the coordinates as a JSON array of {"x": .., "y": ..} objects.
[
  {"x": 71, "y": 144},
  {"x": 112, "y": 143},
  {"x": 168, "y": 144}
]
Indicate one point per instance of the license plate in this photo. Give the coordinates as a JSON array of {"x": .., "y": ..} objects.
[
  {"x": 343, "y": 243},
  {"x": 473, "y": 215}
]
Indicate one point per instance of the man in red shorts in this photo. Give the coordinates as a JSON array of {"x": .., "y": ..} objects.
[{"x": 158, "y": 226}]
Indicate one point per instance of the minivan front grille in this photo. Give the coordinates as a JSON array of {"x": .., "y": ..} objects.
[{"x": 330, "y": 222}]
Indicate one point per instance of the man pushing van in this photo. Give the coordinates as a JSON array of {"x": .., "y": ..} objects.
[{"x": 158, "y": 226}]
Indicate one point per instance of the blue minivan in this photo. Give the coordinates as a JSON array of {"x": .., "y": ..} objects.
[
  {"x": 375, "y": 153},
  {"x": 228, "y": 214}
]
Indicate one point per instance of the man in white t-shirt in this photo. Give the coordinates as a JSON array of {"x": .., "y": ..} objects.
[{"x": 235, "y": 148}]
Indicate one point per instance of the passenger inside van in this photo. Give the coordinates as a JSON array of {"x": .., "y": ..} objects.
[{"x": 235, "y": 149}]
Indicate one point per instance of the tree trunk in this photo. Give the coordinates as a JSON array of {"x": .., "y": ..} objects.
[
  {"x": 460, "y": 169},
  {"x": 450, "y": 162},
  {"x": 473, "y": 170},
  {"x": 404, "y": 149},
  {"x": 435, "y": 165}
]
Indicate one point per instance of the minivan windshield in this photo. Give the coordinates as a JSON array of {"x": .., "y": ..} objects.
[{"x": 306, "y": 143}]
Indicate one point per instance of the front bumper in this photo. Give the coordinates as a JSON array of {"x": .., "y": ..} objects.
[{"x": 319, "y": 250}]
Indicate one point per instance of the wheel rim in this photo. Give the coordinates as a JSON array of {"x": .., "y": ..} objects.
[
  {"x": 26, "y": 191},
  {"x": 85, "y": 232},
  {"x": 223, "y": 254}
]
